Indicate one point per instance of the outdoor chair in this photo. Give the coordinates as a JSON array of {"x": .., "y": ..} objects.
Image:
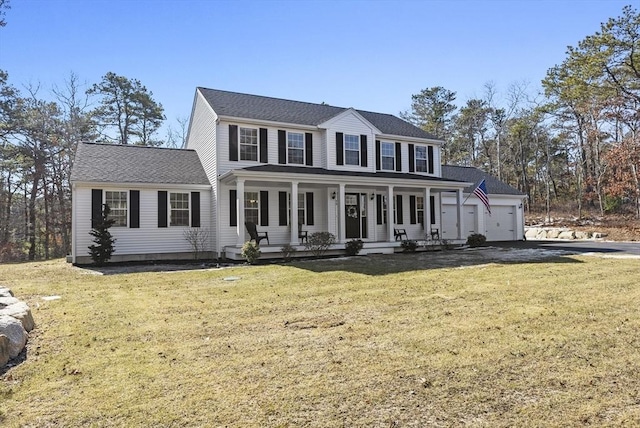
[
  {"x": 303, "y": 235},
  {"x": 399, "y": 233},
  {"x": 254, "y": 234}
]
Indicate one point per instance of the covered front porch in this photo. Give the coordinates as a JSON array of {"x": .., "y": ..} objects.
[{"x": 366, "y": 206}]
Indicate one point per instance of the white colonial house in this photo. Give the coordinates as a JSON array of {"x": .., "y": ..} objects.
[{"x": 353, "y": 173}]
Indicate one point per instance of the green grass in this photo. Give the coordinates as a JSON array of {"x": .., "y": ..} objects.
[{"x": 371, "y": 342}]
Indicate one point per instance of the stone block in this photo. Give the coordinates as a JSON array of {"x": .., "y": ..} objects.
[
  {"x": 4, "y": 350},
  {"x": 21, "y": 312},
  {"x": 12, "y": 328}
]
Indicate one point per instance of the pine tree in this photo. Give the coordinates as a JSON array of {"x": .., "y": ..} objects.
[{"x": 103, "y": 248}]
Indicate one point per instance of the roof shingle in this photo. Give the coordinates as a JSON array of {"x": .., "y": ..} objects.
[
  {"x": 114, "y": 163},
  {"x": 475, "y": 175},
  {"x": 234, "y": 104}
]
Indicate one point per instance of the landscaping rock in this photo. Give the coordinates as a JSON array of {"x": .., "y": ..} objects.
[
  {"x": 532, "y": 232},
  {"x": 567, "y": 234},
  {"x": 21, "y": 312},
  {"x": 553, "y": 233},
  {"x": 582, "y": 235},
  {"x": 4, "y": 350},
  {"x": 12, "y": 328},
  {"x": 5, "y": 292},
  {"x": 6, "y": 301}
]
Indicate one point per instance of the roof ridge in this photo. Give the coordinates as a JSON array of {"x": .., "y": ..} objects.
[
  {"x": 136, "y": 146},
  {"x": 274, "y": 98}
]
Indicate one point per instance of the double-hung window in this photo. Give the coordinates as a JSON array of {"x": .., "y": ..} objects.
[
  {"x": 387, "y": 156},
  {"x": 117, "y": 202},
  {"x": 252, "y": 207},
  {"x": 420, "y": 209},
  {"x": 301, "y": 208},
  {"x": 351, "y": 149},
  {"x": 421, "y": 159},
  {"x": 295, "y": 148},
  {"x": 249, "y": 144},
  {"x": 179, "y": 209}
]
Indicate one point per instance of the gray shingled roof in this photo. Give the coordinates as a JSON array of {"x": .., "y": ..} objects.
[
  {"x": 113, "y": 163},
  {"x": 475, "y": 175},
  {"x": 248, "y": 106}
]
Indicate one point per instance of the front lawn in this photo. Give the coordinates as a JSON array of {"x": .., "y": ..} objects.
[{"x": 379, "y": 341}]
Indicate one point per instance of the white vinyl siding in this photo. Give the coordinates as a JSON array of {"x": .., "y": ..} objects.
[{"x": 149, "y": 238}]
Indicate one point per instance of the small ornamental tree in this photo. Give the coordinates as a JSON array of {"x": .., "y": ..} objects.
[{"x": 101, "y": 251}]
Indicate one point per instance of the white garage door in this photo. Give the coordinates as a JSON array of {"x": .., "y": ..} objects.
[
  {"x": 450, "y": 221},
  {"x": 501, "y": 224}
]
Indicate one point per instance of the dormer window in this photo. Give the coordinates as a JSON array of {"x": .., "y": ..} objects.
[
  {"x": 295, "y": 148},
  {"x": 248, "y": 144}
]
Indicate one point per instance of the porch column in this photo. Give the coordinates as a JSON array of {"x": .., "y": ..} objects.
[
  {"x": 294, "y": 213},
  {"x": 391, "y": 221},
  {"x": 427, "y": 212},
  {"x": 239, "y": 212},
  {"x": 460, "y": 213},
  {"x": 342, "y": 220}
]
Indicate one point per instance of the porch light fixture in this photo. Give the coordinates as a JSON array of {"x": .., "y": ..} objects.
[
  {"x": 373, "y": 196},
  {"x": 333, "y": 195}
]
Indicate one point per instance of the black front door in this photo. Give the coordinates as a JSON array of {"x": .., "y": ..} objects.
[{"x": 352, "y": 211}]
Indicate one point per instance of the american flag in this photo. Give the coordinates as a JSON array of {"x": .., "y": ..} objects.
[{"x": 481, "y": 192}]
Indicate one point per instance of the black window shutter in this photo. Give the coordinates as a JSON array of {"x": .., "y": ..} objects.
[
  {"x": 264, "y": 153},
  {"x": 233, "y": 142},
  {"x": 363, "y": 150},
  {"x": 233, "y": 207},
  {"x": 134, "y": 207},
  {"x": 432, "y": 214},
  {"x": 378, "y": 209},
  {"x": 339, "y": 148},
  {"x": 264, "y": 208},
  {"x": 282, "y": 147},
  {"x": 96, "y": 206},
  {"x": 430, "y": 158},
  {"x": 195, "y": 209},
  {"x": 282, "y": 208},
  {"x": 412, "y": 209},
  {"x": 378, "y": 155},
  {"x": 399, "y": 209},
  {"x": 310, "y": 214},
  {"x": 412, "y": 158},
  {"x": 308, "y": 142},
  {"x": 162, "y": 208},
  {"x": 398, "y": 157}
]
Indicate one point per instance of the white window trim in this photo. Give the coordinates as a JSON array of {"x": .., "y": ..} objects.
[
  {"x": 304, "y": 152},
  {"x": 418, "y": 209},
  {"x": 302, "y": 197},
  {"x": 345, "y": 149},
  {"x": 126, "y": 192},
  {"x": 170, "y": 210},
  {"x": 240, "y": 143},
  {"x": 393, "y": 150}
]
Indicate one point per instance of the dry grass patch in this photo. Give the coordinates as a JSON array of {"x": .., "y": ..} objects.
[{"x": 325, "y": 344}]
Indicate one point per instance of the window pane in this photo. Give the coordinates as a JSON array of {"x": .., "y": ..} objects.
[
  {"x": 117, "y": 202},
  {"x": 251, "y": 207},
  {"x": 179, "y": 204},
  {"x": 248, "y": 144}
]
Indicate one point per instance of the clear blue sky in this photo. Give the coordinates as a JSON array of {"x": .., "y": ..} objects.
[{"x": 371, "y": 55}]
